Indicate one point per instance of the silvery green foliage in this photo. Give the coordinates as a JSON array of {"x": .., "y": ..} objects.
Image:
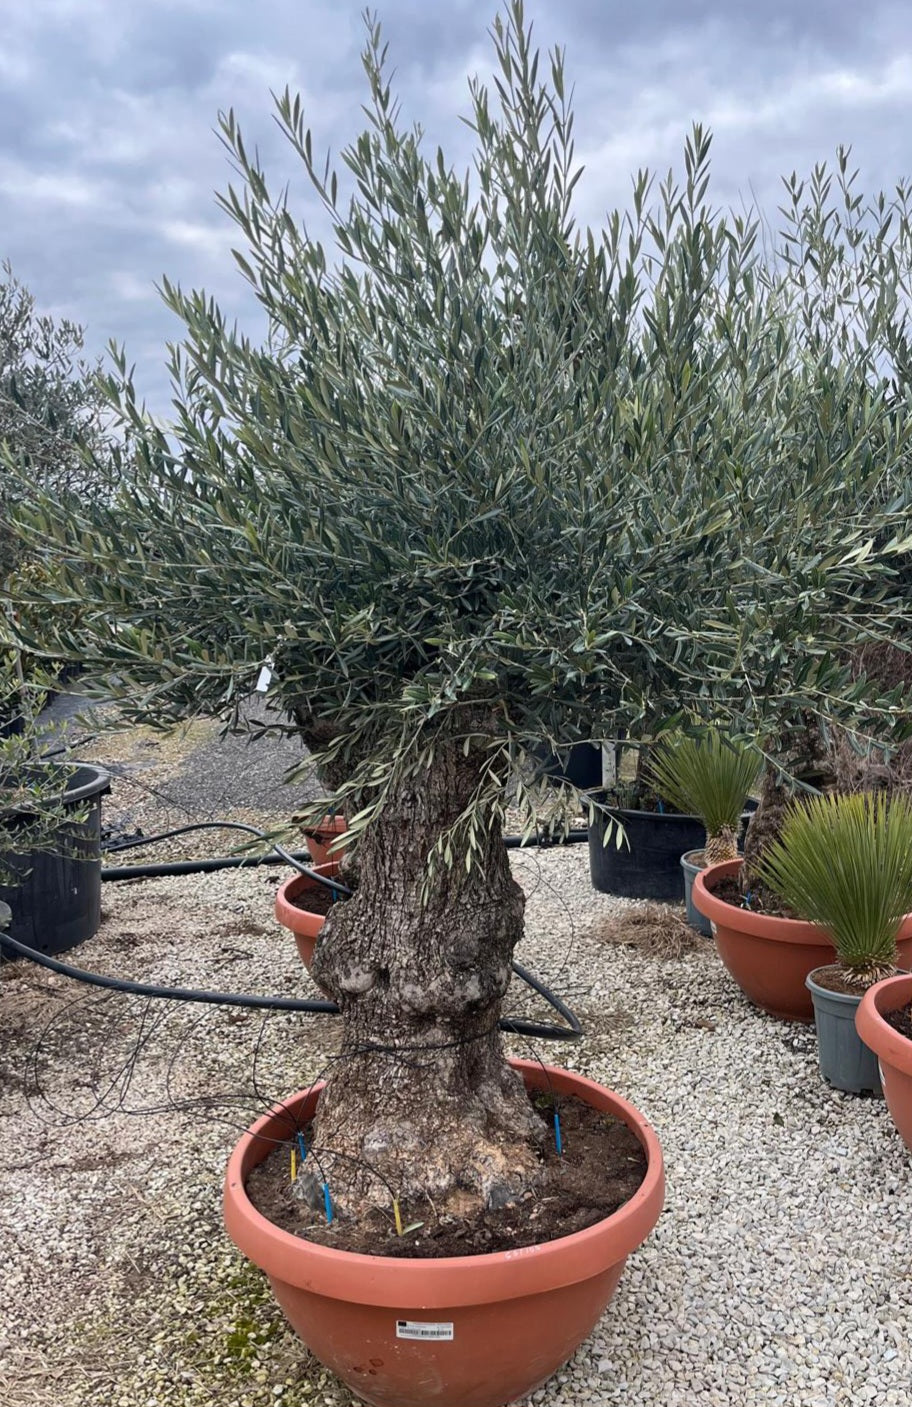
[
  {"x": 51, "y": 406},
  {"x": 564, "y": 482}
]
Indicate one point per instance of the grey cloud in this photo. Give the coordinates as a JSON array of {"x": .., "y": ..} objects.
[{"x": 108, "y": 162}]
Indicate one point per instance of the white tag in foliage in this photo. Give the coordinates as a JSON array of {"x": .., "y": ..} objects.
[
  {"x": 416, "y": 1329},
  {"x": 264, "y": 678}
]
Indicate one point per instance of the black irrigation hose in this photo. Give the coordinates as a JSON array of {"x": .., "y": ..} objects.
[
  {"x": 512, "y": 1025},
  {"x": 294, "y": 857},
  {"x": 185, "y": 994},
  {"x": 221, "y": 862},
  {"x": 278, "y": 852}
]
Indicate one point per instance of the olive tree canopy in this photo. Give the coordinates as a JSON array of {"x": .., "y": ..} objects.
[{"x": 493, "y": 481}]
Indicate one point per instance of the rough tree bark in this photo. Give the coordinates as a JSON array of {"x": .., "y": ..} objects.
[
  {"x": 805, "y": 756},
  {"x": 422, "y": 1101}
]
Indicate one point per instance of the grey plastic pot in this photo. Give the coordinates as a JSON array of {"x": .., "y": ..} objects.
[
  {"x": 845, "y": 1061},
  {"x": 690, "y": 870}
]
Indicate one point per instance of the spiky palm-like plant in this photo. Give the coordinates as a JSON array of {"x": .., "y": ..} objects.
[
  {"x": 845, "y": 862},
  {"x": 709, "y": 776}
]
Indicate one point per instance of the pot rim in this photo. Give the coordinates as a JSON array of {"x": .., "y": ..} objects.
[
  {"x": 98, "y": 783},
  {"x": 332, "y": 824},
  {"x": 840, "y": 998},
  {"x": 450, "y": 1281},
  {"x": 288, "y": 913},
  {"x": 777, "y": 930},
  {"x": 889, "y": 1045}
]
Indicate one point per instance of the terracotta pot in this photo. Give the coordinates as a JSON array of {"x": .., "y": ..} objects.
[
  {"x": 321, "y": 837},
  {"x": 497, "y": 1325},
  {"x": 770, "y": 958},
  {"x": 893, "y": 1050},
  {"x": 304, "y": 924}
]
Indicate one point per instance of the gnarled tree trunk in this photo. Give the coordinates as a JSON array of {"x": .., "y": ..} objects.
[{"x": 422, "y": 1103}]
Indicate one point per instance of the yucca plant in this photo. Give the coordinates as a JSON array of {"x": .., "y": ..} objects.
[
  {"x": 709, "y": 776},
  {"x": 845, "y": 862}
]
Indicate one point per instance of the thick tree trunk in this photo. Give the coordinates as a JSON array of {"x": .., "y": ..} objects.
[
  {"x": 805, "y": 756},
  {"x": 421, "y": 1103}
]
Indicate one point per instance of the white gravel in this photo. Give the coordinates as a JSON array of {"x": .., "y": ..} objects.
[{"x": 779, "y": 1272}]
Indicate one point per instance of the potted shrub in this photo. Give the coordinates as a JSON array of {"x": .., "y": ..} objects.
[
  {"x": 482, "y": 490},
  {"x": 637, "y": 837},
  {"x": 50, "y": 828},
  {"x": 767, "y": 947},
  {"x": 845, "y": 863},
  {"x": 710, "y": 776},
  {"x": 53, "y": 438}
]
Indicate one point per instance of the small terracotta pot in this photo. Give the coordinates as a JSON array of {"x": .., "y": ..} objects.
[
  {"x": 497, "y": 1325},
  {"x": 304, "y": 924},
  {"x": 771, "y": 958},
  {"x": 321, "y": 837},
  {"x": 893, "y": 1050}
]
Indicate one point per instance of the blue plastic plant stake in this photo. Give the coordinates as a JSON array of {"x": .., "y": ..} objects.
[
  {"x": 302, "y": 1146},
  {"x": 327, "y": 1202},
  {"x": 558, "y": 1141}
]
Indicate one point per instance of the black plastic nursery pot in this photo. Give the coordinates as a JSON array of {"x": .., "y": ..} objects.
[
  {"x": 58, "y": 903},
  {"x": 648, "y": 863},
  {"x": 581, "y": 765}
]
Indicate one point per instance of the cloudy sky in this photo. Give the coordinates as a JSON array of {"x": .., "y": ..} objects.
[{"x": 109, "y": 162}]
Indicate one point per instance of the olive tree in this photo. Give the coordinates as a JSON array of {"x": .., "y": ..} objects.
[
  {"x": 53, "y": 439},
  {"x": 51, "y": 405},
  {"x": 492, "y": 481}
]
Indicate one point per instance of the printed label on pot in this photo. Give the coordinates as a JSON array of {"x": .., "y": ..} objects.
[{"x": 415, "y": 1329}]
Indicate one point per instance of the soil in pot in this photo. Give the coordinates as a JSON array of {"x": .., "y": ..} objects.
[
  {"x": 729, "y": 891},
  {"x": 601, "y": 1165},
  {"x": 900, "y": 1020},
  {"x": 316, "y": 900}
]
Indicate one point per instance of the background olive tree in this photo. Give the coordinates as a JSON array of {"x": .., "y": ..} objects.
[
  {"x": 492, "y": 482},
  {"x": 53, "y": 439}
]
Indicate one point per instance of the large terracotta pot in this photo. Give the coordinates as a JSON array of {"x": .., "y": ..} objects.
[
  {"x": 497, "y": 1325},
  {"x": 304, "y": 923},
  {"x": 893, "y": 1050},
  {"x": 770, "y": 958}
]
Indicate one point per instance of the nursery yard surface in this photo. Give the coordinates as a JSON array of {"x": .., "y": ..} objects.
[{"x": 780, "y": 1271}]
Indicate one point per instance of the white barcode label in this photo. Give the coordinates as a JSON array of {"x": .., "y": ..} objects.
[{"x": 415, "y": 1329}]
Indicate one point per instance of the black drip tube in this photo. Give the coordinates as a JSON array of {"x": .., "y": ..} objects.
[{"x": 512, "y": 1025}]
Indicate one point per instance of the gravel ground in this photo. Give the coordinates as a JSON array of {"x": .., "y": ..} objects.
[{"x": 779, "y": 1272}]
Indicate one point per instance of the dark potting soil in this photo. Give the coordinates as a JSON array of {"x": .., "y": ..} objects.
[
  {"x": 602, "y": 1165},
  {"x": 900, "y": 1020},
  {"x": 318, "y": 900},
  {"x": 832, "y": 978},
  {"x": 761, "y": 901}
]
